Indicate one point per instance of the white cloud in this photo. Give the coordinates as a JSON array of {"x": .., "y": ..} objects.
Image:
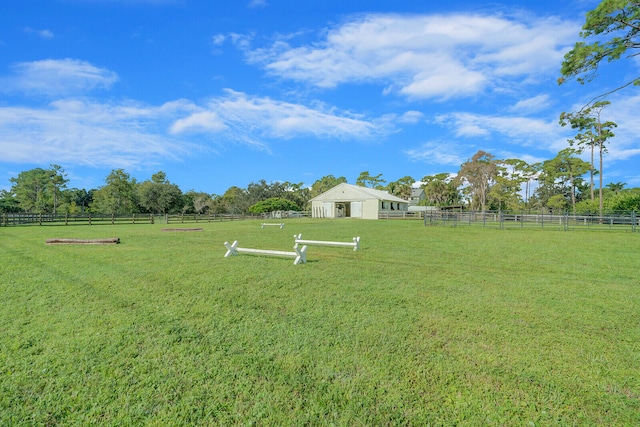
[
  {"x": 203, "y": 121},
  {"x": 257, "y": 3},
  {"x": 532, "y": 105},
  {"x": 411, "y": 117},
  {"x": 446, "y": 153},
  {"x": 90, "y": 133},
  {"x": 253, "y": 119},
  {"x": 56, "y": 77},
  {"x": 519, "y": 130},
  {"x": 45, "y": 34},
  {"x": 623, "y": 111},
  {"x": 218, "y": 39},
  {"x": 425, "y": 56},
  {"x": 133, "y": 135}
]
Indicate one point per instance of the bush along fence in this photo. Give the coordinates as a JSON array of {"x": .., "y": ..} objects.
[{"x": 621, "y": 221}]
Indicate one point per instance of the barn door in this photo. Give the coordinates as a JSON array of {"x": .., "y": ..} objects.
[
  {"x": 326, "y": 209},
  {"x": 356, "y": 209}
]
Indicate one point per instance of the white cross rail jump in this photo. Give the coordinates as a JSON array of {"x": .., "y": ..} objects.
[
  {"x": 265, "y": 224},
  {"x": 300, "y": 254},
  {"x": 355, "y": 244}
]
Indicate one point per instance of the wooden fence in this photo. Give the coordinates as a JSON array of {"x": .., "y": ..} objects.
[
  {"x": 14, "y": 219},
  {"x": 195, "y": 218},
  {"x": 622, "y": 221},
  {"x": 8, "y": 219}
]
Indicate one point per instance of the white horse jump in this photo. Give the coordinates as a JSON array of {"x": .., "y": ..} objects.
[
  {"x": 300, "y": 254},
  {"x": 265, "y": 224},
  {"x": 355, "y": 244}
]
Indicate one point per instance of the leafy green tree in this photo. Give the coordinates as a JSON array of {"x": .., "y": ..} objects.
[
  {"x": 505, "y": 193},
  {"x": 616, "y": 187},
  {"x": 118, "y": 196},
  {"x": 326, "y": 183},
  {"x": 57, "y": 181},
  {"x": 234, "y": 200},
  {"x": 8, "y": 202},
  {"x": 479, "y": 174},
  {"x": 78, "y": 198},
  {"x": 297, "y": 193},
  {"x": 159, "y": 195},
  {"x": 557, "y": 203},
  {"x": 366, "y": 180},
  {"x": 440, "y": 190},
  {"x": 587, "y": 207},
  {"x": 623, "y": 202},
  {"x": 274, "y": 204},
  {"x": 529, "y": 172},
  {"x": 199, "y": 201},
  {"x": 402, "y": 187},
  {"x": 257, "y": 191},
  {"x": 613, "y": 31},
  {"x": 563, "y": 173},
  {"x": 38, "y": 190},
  {"x": 29, "y": 188},
  {"x": 592, "y": 132},
  {"x": 217, "y": 205},
  {"x": 159, "y": 177},
  {"x": 261, "y": 190}
]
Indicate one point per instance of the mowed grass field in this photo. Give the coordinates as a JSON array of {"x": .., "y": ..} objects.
[{"x": 421, "y": 326}]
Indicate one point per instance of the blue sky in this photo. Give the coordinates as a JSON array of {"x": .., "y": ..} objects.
[{"x": 225, "y": 93}]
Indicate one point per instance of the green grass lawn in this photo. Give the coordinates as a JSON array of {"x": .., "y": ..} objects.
[{"x": 421, "y": 326}]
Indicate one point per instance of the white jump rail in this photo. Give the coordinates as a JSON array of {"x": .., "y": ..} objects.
[
  {"x": 300, "y": 254},
  {"x": 266, "y": 224},
  {"x": 355, "y": 244}
]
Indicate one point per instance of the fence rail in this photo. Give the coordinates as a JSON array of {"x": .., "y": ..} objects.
[
  {"x": 15, "y": 219},
  {"x": 625, "y": 221},
  {"x": 10, "y": 219},
  {"x": 195, "y": 218}
]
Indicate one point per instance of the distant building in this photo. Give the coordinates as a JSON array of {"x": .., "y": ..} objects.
[
  {"x": 417, "y": 195},
  {"x": 351, "y": 201}
]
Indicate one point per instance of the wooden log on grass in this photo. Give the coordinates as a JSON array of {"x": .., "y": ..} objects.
[{"x": 107, "y": 241}]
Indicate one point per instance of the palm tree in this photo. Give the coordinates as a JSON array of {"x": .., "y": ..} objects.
[{"x": 616, "y": 187}]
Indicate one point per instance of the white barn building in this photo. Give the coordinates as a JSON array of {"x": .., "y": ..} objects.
[{"x": 352, "y": 201}]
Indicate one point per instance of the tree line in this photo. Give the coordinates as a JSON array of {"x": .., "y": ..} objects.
[{"x": 483, "y": 182}]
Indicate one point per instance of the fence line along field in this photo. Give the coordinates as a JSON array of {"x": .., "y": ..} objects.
[{"x": 419, "y": 326}]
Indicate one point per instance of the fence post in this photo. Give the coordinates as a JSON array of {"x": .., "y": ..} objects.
[{"x": 633, "y": 221}]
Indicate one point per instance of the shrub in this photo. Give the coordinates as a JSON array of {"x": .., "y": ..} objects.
[{"x": 274, "y": 204}]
